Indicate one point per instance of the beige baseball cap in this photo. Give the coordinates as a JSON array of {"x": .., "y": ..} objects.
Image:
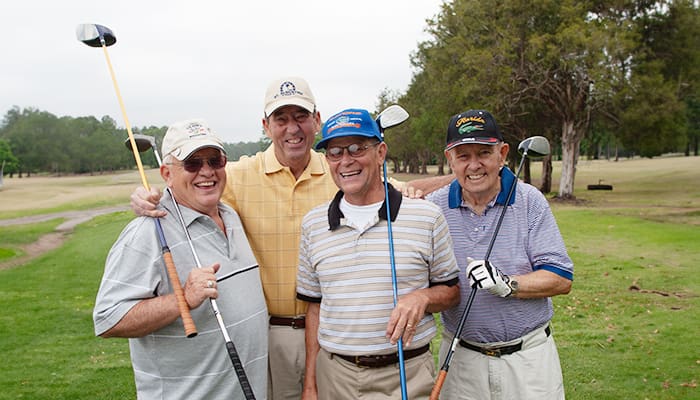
[
  {"x": 185, "y": 137},
  {"x": 289, "y": 91}
]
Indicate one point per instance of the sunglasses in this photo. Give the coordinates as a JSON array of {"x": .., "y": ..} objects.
[
  {"x": 335, "y": 153},
  {"x": 194, "y": 164}
]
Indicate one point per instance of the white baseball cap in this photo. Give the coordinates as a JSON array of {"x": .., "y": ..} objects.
[
  {"x": 287, "y": 91},
  {"x": 186, "y": 137}
]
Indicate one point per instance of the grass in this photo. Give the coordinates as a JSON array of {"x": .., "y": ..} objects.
[
  {"x": 628, "y": 329},
  {"x": 11, "y": 238}
]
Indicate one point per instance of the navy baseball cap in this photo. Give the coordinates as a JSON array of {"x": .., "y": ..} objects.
[
  {"x": 350, "y": 122},
  {"x": 473, "y": 126}
]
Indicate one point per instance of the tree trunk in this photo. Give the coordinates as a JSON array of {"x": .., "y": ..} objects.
[
  {"x": 570, "y": 142},
  {"x": 546, "y": 186}
]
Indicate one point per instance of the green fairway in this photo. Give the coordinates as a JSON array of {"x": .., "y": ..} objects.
[{"x": 627, "y": 330}]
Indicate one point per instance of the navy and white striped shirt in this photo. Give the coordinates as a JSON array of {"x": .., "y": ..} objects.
[{"x": 528, "y": 240}]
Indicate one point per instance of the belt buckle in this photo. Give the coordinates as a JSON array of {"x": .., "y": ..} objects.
[
  {"x": 295, "y": 321},
  {"x": 492, "y": 352}
]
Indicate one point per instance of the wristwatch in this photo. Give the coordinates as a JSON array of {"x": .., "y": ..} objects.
[{"x": 513, "y": 287}]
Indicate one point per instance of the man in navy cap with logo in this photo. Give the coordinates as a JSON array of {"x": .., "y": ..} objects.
[
  {"x": 352, "y": 326},
  {"x": 506, "y": 350}
]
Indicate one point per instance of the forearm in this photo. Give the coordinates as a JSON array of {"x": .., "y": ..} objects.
[
  {"x": 145, "y": 317},
  {"x": 540, "y": 284},
  {"x": 441, "y": 297},
  {"x": 312, "y": 349},
  {"x": 427, "y": 185}
]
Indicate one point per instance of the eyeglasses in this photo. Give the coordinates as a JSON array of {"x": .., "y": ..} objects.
[
  {"x": 355, "y": 150},
  {"x": 193, "y": 165}
]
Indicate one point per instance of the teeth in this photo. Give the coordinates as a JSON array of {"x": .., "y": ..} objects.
[
  {"x": 207, "y": 184},
  {"x": 294, "y": 141},
  {"x": 345, "y": 175},
  {"x": 474, "y": 177}
]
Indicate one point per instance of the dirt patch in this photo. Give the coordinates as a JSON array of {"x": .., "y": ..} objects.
[{"x": 55, "y": 239}]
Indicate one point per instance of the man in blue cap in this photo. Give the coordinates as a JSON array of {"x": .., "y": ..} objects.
[{"x": 352, "y": 326}]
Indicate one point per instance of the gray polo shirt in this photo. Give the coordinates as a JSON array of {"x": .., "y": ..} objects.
[{"x": 167, "y": 365}]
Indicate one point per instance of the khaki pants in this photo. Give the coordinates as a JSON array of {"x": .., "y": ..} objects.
[
  {"x": 533, "y": 373},
  {"x": 338, "y": 379},
  {"x": 287, "y": 355}
]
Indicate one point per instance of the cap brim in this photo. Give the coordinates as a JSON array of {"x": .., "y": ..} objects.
[
  {"x": 472, "y": 140},
  {"x": 272, "y": 107},
  {"x": 323, "y": 143},
  {"x": 185, "y": 151}
]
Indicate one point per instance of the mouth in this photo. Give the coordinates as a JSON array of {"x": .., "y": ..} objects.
[
  {"x": 295, "y": 140},
  {"x": 205, "y": 185},
  {"x": 350, "y": 174},
  {"x": 475, "y": 177}
]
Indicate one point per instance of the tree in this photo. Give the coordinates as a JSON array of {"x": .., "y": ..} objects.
[{"x": 7, "y": 158}]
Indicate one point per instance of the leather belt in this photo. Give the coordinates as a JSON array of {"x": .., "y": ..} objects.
[
  {"x": 499, "y": 350},
  {"x": 382, "y": 360},
  {"x": 294, "y": 322}
]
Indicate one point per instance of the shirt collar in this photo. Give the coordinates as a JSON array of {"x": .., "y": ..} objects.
[
  {"x": 507, "y": 178},
  {"x": 334, "y": 213}
]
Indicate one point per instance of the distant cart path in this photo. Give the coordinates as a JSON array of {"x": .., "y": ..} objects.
[{"x": 55, "y": 239}]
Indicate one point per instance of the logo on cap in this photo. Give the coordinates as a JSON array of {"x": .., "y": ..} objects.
[
  {"x": 464, "y": 124},
  {"x": 287, "y": 88},
  {"x": 196, "y": 129}
]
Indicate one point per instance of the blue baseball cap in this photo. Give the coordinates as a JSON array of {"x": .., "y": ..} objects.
[{"x": 350, "y": 122}]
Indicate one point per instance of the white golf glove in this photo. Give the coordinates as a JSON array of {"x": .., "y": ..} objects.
[{"x": 483, "y": 275}]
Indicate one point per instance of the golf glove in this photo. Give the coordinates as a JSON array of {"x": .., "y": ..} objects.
[{"x": 483, "y": 275}]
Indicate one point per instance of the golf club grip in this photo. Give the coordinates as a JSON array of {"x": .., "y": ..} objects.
[
  {"x": 187, "y": 321},
  {"x": 435, "y": 393},
  {"x": 240, "y": 372}
]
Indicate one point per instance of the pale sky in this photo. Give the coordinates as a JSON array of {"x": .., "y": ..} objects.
[{"x": 176, "y": 59}]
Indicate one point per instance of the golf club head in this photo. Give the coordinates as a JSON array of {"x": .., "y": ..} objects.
[
  {"x": 93, "y": 34},
  {"x": 534, "y": 147},
  {"x": 143, "y": 142},
  {"x": 391, "y": 116}
]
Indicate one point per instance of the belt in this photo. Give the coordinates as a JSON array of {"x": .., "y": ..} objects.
[
  {"x": 295, "y": 322},
  {"x": 382, "y": 360},
  {"x": 499, "y": 350}
]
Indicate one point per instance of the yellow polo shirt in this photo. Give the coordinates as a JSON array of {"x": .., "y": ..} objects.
[{"x": 271, "y": 204}]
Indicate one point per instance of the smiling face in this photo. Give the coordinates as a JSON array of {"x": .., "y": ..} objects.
[
  {"x": 477, "y": 167},
  {"x": 200, "y": 190},
  {"x": 292, "y": 130},
  {"x": 359, "y": 177}
]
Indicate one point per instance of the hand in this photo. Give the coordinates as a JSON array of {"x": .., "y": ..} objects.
[
  {"x": 405, "y": 317},
  {"x": 143, "y": 203},
  {"x": 483, "y": 275},
  {"x": 411, "y": 192},
  {"x": 201, "y": 285}
]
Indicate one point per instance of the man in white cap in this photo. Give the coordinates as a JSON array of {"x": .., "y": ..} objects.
[
  {"x": 272, "y": 191},
  {"x": 136, "y": 300}
]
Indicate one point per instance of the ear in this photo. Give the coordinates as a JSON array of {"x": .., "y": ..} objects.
[
  {"x": 381, "y": 152},
  {"x": 166, "y": 174},
  {"x": 266, "y": 127},
  {"x": 504, "y": 152}
]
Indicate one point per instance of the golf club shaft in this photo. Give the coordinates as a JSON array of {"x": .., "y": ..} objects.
[
  {"x": 233, "y": 354},
  {"x": 394, "y": 283},
  {"x": 455, "y": 340},
  {"x": 187, "y": 321}
]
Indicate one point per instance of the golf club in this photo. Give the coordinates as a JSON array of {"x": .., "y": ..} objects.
[
  {"x": 100, "y": 36},
  {"x": 533, "y": 147},
  {"x": 390, "y": 117},
  {"x": 143, "y": 143}
]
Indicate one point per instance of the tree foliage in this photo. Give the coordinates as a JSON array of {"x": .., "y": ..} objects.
[{"x": 562, "y": 69}]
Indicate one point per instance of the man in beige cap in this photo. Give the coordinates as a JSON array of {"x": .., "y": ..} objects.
[
  {"x": 272, "y": 191},
  {"x": 136, "y": 300}
]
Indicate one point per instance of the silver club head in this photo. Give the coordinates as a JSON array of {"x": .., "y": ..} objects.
[
  {"x": 391, "y": 116},
  {"x": 95, "y": 35},
  {"x": 534, "y": 147}
]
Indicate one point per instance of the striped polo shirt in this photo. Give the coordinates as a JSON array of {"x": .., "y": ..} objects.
[
  {"x": 528, "y": 240},
  {"x": 349, "y": 271}
]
